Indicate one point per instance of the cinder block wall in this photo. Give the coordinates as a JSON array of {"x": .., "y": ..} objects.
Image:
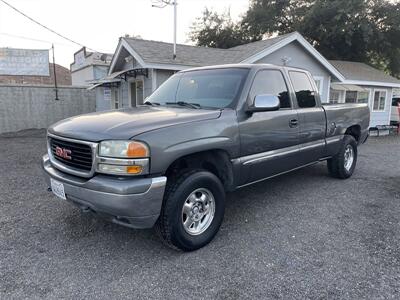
[{"x": 27, "y": 107}]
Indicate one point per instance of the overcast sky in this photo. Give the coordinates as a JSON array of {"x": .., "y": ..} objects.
[{"x": 98, "y": 23}]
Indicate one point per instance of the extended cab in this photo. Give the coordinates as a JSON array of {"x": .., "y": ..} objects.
[{"x": 204, "y": 132}]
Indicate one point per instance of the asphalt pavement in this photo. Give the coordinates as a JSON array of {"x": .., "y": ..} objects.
[{"x": 303, "y": 235}]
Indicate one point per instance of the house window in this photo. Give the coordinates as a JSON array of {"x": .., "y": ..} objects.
[
  {"x": 379, "y": 100},
  {"x": 351, "y": 97},
  {"x": 357, "y": 97},
  {"x": 334, "y": 96},
  {"x": 362, "y": 97}
]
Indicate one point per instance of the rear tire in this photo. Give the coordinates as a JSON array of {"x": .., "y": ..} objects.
[
  {"x": 192, "y": 211},
  {"x": 342, "y": 165}
]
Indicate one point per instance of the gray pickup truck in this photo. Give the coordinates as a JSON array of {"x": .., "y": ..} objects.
[{"x": 205, "y": 131}]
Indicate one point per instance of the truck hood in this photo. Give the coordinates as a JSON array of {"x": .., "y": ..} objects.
[{"x": 126, "y": 123}]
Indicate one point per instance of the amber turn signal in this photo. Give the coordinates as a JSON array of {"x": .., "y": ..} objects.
[
  {"x": 134, "y": 169},
  {"x": 136, "y": 149}
]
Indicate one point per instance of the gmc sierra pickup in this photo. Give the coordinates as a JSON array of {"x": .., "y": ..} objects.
[{"x": 205, "y": 131}]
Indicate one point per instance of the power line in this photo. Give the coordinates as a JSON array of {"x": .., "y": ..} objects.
[
  {"x": 32, "y": 39},
  {"x": 44, "y": 26}
]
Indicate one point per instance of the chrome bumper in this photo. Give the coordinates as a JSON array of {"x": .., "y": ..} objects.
[{"x": 132, "y": 202}]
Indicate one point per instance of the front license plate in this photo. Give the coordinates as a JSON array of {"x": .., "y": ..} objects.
[{"x": 58, "y": 189}]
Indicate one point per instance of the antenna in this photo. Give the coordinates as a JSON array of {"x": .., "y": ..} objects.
[{"x": 103, "y": 57}]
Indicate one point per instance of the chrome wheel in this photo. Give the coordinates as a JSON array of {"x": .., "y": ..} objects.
[
  {"x": 198, "y": 211},
  {"x": 348, "y": 157}
]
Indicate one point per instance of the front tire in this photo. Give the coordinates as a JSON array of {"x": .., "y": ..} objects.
[
  {"x": 192, "y": 211},
  {"x": 342, "y": 165}
]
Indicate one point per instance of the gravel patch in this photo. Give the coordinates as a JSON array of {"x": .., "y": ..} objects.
[{"x": 303, "y": 235}]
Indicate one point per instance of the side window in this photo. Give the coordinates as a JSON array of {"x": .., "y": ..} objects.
[
  {"x": 271, "y": 82},
  {"x": 303, "y": 88},
  {"x": 379, "y": 101}
]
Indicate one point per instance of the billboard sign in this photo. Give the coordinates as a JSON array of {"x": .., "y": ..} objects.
[{"x": 24, "y": 62}]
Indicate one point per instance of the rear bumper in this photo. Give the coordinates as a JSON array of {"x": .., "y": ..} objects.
[{"x": 132, "y": 202}]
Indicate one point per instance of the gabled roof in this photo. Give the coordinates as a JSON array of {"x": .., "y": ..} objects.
[
  {"x": 154, "y": 54},
  {"x": 161, "y": 52},
  {"x": 357, "y": 71},
  {"x": 250, "y": 49}
]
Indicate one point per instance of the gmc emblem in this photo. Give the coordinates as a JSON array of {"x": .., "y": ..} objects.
[{"x": 64, "y": 153}]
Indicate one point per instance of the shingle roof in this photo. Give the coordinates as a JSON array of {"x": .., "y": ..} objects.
[
  {"x": 360, "y": 71},
  {"x": 161, "y": 52},
  {"x": 155, "y": 52},
  {"x": 253, "y": 48}
]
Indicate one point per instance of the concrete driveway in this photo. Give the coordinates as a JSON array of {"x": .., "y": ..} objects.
[{"x": 301, "y": 235}]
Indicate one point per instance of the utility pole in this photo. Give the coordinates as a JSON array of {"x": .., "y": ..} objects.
[
  {"x": 175, "y": 25},
  {"x": 54, "y": 71},
  {"x": 162, "y": 4}
]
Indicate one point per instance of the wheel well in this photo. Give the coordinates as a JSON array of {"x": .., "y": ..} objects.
[
  {"x": 354, "y": 131},
  {"x": 215, "y": 161}
]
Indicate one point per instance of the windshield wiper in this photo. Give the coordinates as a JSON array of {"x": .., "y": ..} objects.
[
  {"x": 152, "y": 103},
  {"x": 183, "y": 103}
]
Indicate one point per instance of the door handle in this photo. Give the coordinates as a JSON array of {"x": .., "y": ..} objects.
[{"x": 293, "y": 123}]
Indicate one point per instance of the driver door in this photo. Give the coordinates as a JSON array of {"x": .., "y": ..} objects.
[{"x": 269, "y": 139}]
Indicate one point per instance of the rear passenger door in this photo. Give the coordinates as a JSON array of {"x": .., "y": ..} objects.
[
  {"x": 312, "y": 120},
  {"x": 269, "y": 139}
]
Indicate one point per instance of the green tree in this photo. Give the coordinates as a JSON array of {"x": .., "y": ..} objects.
[
  {"x": 217, "y": 31},
  {"x": 268, "y": 17},
  {"x": 385, "y": 45},
  {"x": 358, "y": 30}
]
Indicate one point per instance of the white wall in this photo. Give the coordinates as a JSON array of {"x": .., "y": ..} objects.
[
  {"x": 380, "y": 117},
  {"x": 81, "y": 76},
  {"x": 101, "y": 103},
  {"x": 163, "y": 75}
]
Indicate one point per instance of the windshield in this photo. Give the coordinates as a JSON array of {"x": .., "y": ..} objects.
[{"x": 216, "y": 88}]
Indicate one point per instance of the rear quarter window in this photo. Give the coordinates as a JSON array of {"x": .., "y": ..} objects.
[{"x": 305, "y": 93}]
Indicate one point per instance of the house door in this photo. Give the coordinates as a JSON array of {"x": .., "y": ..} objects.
[
  {"x": 115, "y": 98},
  {"x": 136, "y": 92}
]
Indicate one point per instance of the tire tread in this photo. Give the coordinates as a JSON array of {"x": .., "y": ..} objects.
[
  {"x": 162, "y": 225},
  {"x": 336, "y": 163}
]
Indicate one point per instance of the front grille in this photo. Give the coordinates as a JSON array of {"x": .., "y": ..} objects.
[{"x": 81, "y": 155}]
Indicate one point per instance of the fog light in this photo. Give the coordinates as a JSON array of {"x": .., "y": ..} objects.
[{"x": 122, "y": 170}]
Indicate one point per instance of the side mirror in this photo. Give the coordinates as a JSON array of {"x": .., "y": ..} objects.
[{"x": 265, "y": 103}]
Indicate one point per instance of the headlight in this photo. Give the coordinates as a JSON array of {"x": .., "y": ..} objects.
[
  {"x": 123, "y": 158},
  {"x": 124, "y": 149}
]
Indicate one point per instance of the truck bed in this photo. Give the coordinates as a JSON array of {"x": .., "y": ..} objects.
[{"x": 341, "y": 117}]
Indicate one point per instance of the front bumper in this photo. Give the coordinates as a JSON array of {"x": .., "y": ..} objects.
[{"x": 131, "y": 202}]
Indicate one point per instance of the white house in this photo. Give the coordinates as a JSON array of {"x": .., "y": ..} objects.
[
  {"x": 365, "y": 84},
  {"x": 139, "y": 66},
  {"x": 89, "y": 66}
]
